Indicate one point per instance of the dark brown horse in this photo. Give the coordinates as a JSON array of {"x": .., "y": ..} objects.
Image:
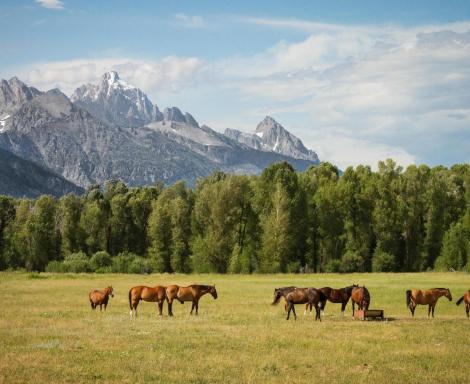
[
  {"x": 100, "y": 297},
  {"x": 465, "y": 297},
  {"x": 429, "y": 297},
  {"x": 190, "y": 293},
  {"x": 152, "y": 294},
  {"x": 310, "y": 296},
  {"x": 361, "y": 297},
  {"x": 340, "y": 295}
]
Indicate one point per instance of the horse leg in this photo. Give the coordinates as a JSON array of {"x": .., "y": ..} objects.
[
  {"x": 434, "y": 306},
  {"x": 343, "y": 308},
  {"x": 170, "y": 307},
  {"x": 429, "y": 310},
  {"x": 197, "y": 307},
  {"x": 289, "y": 307},
  {"x": 467, "y": 308},
  {"x": 293, "y": 311},
  {"x": 160, "y": 307},
  {"x": 193, "y": 305},
  {"x": 101, "y": 305},
  {"x": 323, "y": 306},
  {"x": 306, "y": 309},
  {"x": 318, "y": 312},
  {"x": 105, "y": 305},
  {"x": 352, "y": 302}
]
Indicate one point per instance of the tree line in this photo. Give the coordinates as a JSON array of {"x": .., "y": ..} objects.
[{"x": 281, "y": 221}]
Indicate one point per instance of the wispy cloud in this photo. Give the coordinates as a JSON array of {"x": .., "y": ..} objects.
[
  {"x": 189, "y": 21},
  {"x": 171, "y": 73},
  {"x": 51, "y": 4}
]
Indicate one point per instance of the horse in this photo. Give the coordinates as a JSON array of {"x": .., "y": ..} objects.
[
  {"x": 285, "y": 291},
  {"x": 310, "y": 296},
  {"x": 192, "y": 293},
  {"x": 152, "y": 294},
  {"x": 100, "y": 297},
  {"x": 361, "y": 297},
  {"x": 429, "y": 297},
  {"x": 465, "y": 297},
  {"x": 340, "y": 295}
]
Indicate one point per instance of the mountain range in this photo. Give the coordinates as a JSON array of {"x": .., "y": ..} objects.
[{"x": 111, "y": 130}]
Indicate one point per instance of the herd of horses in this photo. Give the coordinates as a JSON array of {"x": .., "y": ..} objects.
[
  {"x": 311, "y": 297},
  {"x": 157, "y": 294}
]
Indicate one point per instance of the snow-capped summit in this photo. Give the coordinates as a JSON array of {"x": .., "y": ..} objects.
[
  {"x": 273, "y": 137},
  {"x": 116, "y": 102}
]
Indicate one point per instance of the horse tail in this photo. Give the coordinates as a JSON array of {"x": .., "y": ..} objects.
[
  {"x": 408, "y": 297},
  {"x": 130, "y": 299},
  {"x": 459, "y": 301}
]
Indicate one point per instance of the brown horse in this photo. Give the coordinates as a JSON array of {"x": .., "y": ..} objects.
[
  {"x": 310, "y": 296},
  {"x": 361, "y": 297},
  {"x": 465, "y": 297},
  {"x": 340, "y": 295},
  {"x": 100, "y": 297},
  {"x": 192, "y": 293},
  {"x": 152, "y": 294},
  {"x": 429, "y": 297}
]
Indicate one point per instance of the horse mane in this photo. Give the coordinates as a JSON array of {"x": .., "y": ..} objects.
[{"x": 440, "y": 289}]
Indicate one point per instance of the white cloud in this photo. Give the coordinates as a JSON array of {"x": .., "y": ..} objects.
[
  {"x": 169, "y": 74},
  {"x": 51, "y": 4},
  {"x": 189, "y": 21}
]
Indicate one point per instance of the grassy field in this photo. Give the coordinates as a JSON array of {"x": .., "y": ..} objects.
[{"x": 48, "y": 333}]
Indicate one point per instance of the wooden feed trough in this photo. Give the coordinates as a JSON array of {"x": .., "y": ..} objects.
[{"x": 369, "y": 314}]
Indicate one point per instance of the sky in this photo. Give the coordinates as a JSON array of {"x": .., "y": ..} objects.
[{"x": 357, "y": 81}]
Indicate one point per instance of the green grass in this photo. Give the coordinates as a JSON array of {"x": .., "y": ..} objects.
[{"x": 48, "y": 333}]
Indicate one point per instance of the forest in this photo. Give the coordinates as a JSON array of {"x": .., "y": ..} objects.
[{"x": 320, "y": 220}]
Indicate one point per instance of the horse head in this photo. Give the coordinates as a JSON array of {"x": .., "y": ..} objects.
[
  {"x": 110, "y": 291},
  {"x": 213, "y": 291},
  {"x": 448, "y": 294},
  {"x": 277, "y": 295}
]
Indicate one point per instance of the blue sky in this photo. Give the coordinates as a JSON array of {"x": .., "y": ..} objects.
[{"x": 357, "y": 81}]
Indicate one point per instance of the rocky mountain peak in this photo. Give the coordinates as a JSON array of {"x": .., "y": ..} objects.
[
  {"x": 13, "y": 93},
  {"x": 273, "y": 137},
  {"x": 116, "y": 102}
]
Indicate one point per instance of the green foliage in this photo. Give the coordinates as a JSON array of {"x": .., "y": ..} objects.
[
  {"x": 455, "y": 248},
  {"x": 333, "y": 266},
  {"x": 77, "y": 263},
  {"x": 56, "y": 267},
  {"x": 100, "y": 261},
  {"x": 383, "y": 262},
  {"x": 352, "y": 262},
  {"x": 281, "y": 221}
]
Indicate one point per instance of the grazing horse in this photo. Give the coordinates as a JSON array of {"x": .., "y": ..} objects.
[
  {"x": 361, "y": 297},
  {"x": 284, "y": 291},
  {"x": 100, "y": 297},
  {"x": 310, "y": 296},
  {"x": 465, "y": 297},
  {"x": 190, "y": 293},
  {"x": 341, "y": 295},
  {"x": 429, "y": 297},
  {"x": 153, "y": 294}
]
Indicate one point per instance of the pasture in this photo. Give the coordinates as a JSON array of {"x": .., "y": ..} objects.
[{"x": 48, "y": 332}]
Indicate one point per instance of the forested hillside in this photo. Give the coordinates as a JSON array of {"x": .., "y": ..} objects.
[{"x": 281, "y": 221}]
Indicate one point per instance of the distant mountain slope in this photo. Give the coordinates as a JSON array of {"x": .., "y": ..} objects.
[
  {"x": 22, "y": 178},
  {"x": 113, "y": 131}
]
